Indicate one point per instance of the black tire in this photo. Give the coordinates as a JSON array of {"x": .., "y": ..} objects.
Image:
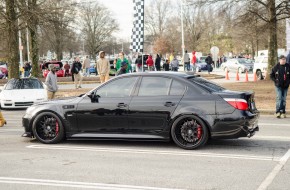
[
  {"x": 48, "y": 128},
  {"x": 259, "y": 75},
  {"x": 189, "y": 132}
]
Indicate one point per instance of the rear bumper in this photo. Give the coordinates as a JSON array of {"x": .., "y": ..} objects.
[{"x": 236, "y": 125}]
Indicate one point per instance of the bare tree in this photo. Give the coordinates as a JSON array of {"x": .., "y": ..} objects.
[
  {"x": 97, "y": 26},
  {"x": 157, "y": 17},
  {"x": 270, "y": 11},
  {"x": 11, "y": 16}
]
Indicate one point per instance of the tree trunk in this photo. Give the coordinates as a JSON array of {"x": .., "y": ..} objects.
[
  {"x": 33, "y": 24},
  {"x": 273, "y": 47},
  {"x": 13, "y": 44}
]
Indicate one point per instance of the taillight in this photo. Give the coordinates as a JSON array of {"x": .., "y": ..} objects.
[{"x": 239, "y": 104}]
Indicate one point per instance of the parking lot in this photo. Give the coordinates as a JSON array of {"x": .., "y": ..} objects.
[{"x": 258, "y": 163}]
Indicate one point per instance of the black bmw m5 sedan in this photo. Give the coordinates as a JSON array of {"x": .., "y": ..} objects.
[{"x": 164, "y": 106}]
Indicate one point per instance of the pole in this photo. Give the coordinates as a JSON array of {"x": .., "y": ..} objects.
[
  {"x": 182, "y": 31},
  {"x": 20, "y": 45},
  {"x": 27, "y": 40},
  {"x": 142, "y": 63}
]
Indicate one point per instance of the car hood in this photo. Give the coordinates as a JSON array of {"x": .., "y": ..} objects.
[
  {"x": 24, "y": 94},
  {"x": 61, "y": 101}
]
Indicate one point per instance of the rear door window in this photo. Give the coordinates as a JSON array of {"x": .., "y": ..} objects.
[
  {"x": 154, "y": 86},
  {"x": 177, "y": 88}
]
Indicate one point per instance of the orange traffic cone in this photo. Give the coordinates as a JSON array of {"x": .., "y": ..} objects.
[
  {"x": 247, "y": 77},
  {"x": 255, "y": 76},
  {"x": 237, "y": 76},
  {"x": 227, "y": 75}
]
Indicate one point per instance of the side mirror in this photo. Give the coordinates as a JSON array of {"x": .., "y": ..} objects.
[{"x": 94, "y": 97}]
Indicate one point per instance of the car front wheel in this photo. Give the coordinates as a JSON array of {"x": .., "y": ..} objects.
[
  {"x": 48, "y": 128},
  {"x": 189, "y": 132}
]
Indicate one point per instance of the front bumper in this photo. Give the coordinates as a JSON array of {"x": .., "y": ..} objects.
[{"x": 26, "y": 123}]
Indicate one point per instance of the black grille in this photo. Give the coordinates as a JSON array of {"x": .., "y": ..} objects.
[{"x": 23, "y": 103}]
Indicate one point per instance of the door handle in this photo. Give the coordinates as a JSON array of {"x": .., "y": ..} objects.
[
  {"x": 169, "y": 104},
  {"x": 122, "y": 105}
]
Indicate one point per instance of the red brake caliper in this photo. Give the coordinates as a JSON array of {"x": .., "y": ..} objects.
[
  {"x": 56, "y": 128},
  {"x": 199, "y": 131}
]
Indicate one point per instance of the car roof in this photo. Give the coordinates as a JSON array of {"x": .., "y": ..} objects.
[
  {"x": 28, "y": 78},
  {"x": 163, "y": 73}
]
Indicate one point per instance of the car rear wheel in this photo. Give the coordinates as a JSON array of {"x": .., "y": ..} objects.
[
  {"x": 189, "y": 132},
  {"x": 48, "y": 128}
]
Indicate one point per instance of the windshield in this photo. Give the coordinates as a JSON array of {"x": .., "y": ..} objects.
[
  {"x": 208, "y": 85},
  {"x": 15, "y": 84},
  {"x": 243, "y": 61}
]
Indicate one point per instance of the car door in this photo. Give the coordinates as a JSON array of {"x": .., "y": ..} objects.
[
  {"x": 154, "y": 103},
  {"x": 109, "y": 113}
]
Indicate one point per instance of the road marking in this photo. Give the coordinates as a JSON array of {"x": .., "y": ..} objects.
[
  {"x": 276, "y": 138},
  {"x": 269, "y": 179},
  {"x": 155, "y": 152},
  {"x": 274, "y": 124},
  {"x": 57, "y": 183}
]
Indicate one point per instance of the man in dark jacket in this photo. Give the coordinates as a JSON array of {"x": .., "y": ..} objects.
[
  {"x": 288, "y": 58},
  {"x": 76, "y": 72},
  {"x": 158, "y": 63},
  {"x": 209, "y": 61},
  {"x": 281, "y": 77}
]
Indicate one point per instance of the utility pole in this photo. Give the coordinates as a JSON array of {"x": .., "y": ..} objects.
[
  {"x": 27, "y": 41},
  {"x": 20, "y": 45},
  {"x": 182, "y": 31}
]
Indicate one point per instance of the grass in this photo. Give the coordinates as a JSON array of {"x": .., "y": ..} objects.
[{"x": 265, "y": 95}]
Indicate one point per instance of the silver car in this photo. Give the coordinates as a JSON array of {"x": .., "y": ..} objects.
[{"x": 238, "y": 64}]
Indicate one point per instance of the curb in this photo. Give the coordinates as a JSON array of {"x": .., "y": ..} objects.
[{"x": 269, "y": 112}]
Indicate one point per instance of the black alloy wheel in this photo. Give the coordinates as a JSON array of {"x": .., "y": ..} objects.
[
  {"x": 189, "y": 132},
  {"x": 48, "y": 128}
]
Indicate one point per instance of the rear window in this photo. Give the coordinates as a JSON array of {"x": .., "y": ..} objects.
[
  {"x": 208, "y": 85},
  {"x": 15, "y": 84}
]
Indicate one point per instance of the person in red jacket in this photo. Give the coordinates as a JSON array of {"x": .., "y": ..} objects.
[
  {"x": 193, "y": 61},
  {"x": 150, "y": 63}
]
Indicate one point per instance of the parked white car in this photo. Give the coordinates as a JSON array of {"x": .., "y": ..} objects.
[
  {"x": 260, "y": 67},
  {"x": 22, "y": 93}
]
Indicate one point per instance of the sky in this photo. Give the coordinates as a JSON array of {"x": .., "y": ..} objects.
[{"x": 123, "y": 11}]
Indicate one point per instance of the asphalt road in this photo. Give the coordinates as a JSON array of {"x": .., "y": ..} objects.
[{"x": 257, "y": 163}]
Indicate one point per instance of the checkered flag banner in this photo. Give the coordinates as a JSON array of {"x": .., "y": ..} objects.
[{"x": 137, "y": 38}]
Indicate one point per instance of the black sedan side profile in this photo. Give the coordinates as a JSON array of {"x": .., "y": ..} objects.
[{"x": 148, "y": 106}]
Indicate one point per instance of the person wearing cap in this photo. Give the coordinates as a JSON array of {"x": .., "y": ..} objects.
[
  {"x": 280, "y": 74},
  {"x": 103, "y": 67},
  {"x": 121, "y": 59},
  {"x": 51, "y": 82},
  {"x": 123, "y": 69}
]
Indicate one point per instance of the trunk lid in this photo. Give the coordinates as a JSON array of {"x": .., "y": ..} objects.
[{"x": 249, "y": 97}]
